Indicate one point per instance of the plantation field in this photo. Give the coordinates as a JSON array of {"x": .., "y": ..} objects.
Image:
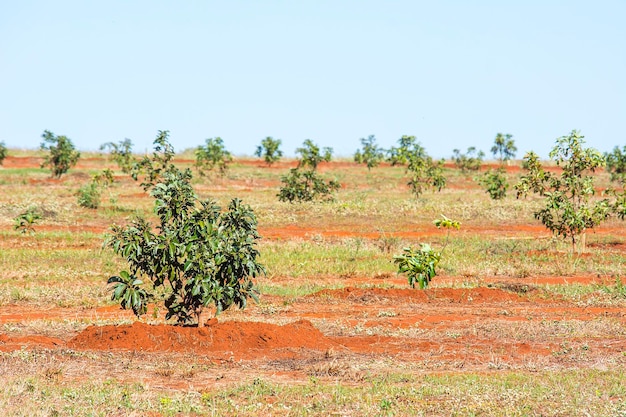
[{"x": 514, "y": 324}]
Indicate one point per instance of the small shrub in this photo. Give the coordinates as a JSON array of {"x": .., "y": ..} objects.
[
  {"x": 213, "y": 155},
  {"x": 311, "y": 155},
  {"x": 89, "y": 195},
  {"x": 3, "y": 152},
  {"x": 306, "y": 185},
  {"x": 495, "y": 183},
  {"x": 408, "y": 147},
  {"x": 122, "y": 154},
  {"x": 196, "y": 256},
  {"x": 568, "y": 209},
  {"x": 616, "y": 164},
  {"x": 104, "y": 178},
  {"x": 619, "y": 204},
  {"x": 423, "y": 172},
  {"x": 61, "y": 153},
  {"x": 269, "y": 150},
  {"x": 470, "y": 161},
  {"x": 504, "y": 147},
  {"x": 302, "y": 184},
  {"x": 154, "y": 167},
  {"x": 420, "y": 265},
  {"x": 26, "y": 221},
  {"x": 370, "y": 154}
]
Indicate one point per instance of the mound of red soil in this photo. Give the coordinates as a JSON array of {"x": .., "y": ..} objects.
[
  {"x": 8, "y": 343},
  {"x": 456, "y": 295},
  {"x": 239, "y": 338}
]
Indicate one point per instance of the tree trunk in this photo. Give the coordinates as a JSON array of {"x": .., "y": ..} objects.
[
  {"x": 583, "y": 241},
  {"x": 202, "y": 315}
]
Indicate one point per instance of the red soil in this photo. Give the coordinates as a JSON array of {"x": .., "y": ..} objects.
[
  {"x": 239, "y": 339},
  {"x": 438, "y": 329},
  {"x": 453, "y": 295},
  {"x": 8, "y": 344}
]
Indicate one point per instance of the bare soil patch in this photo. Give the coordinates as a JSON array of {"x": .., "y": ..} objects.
[{"x": 439, "y": 328}]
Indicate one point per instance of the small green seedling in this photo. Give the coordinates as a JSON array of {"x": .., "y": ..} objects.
[
  {"x": 25, "y": 222},
  {"x": 421, "y": 265}
]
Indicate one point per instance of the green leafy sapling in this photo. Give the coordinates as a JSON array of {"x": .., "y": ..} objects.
[
  {"x": 423, "y": 172},
  {"x": 370, "y": 153},
  {"x": 311, "y": 155},
  {"x": 616, "y": 164},
  {"x": 448, "y": 224},
  {"x": 303, "y": 182},
  {"x": 61, "y": 153},
  {"x": 504, "y": 147},
  {"x": 195, "y": 257},
  {"x": 3, "y": 152},
  {"x": 269, "y": 150},
  {"x": 408, "y": 147},
  {"x": 90, "y": 193},
  {"x": 213, "y": 155},
  {"x": 495, "y": 183},
  {"x": 470, "y": 161},
  {"x": 122, "y": 154},
  {"x": 25, "y": 222},
  {"x": 568, "y": 209},
  {"x": 154, "y": 167},
  {"x": 306, "y": 185},
  {"x": 420, "y": 264}
]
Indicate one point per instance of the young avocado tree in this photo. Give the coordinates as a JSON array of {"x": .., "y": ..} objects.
[
  {"x": 3, "y": 152},
  {"x": 213, "y": 155},
  {"x": 469, "y": 161},
  {"x": 303, "y": 183},
  {"x": 311, "y": 155},
  {"x": 423, "y": 172},
  {"x": 370, "y": 153},
  {"x": 407, "y": 146},
  {"x": 122, "y": 154},
  {"x": 62, "y": 155},
  {"x": 89, "y": 194},
  {"x": 495, "y": 183},
  {"x": 504, "y": 147},
  {"x": 616, "y": 164},
  {"x": 153, "y": 167},
  {"x": 420, "y": 265},
  {"x": 568, "y": 209},
  {"x": 269, "y": 150},
  {"x": 306, "y": 185},
  {"x": 197, "y": 256}
]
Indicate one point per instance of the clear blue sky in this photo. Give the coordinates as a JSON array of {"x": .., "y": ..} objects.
[{"x": 452, "y": 73}]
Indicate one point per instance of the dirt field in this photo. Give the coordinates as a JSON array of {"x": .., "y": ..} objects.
[{"x": 350, "y": 329}]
